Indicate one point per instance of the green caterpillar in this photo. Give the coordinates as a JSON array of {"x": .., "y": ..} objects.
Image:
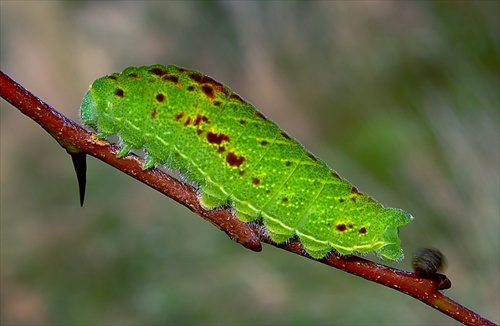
[{"x": 194, "y": 124}]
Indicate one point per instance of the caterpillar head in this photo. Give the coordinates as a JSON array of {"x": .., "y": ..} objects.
[{"x": 96, "y": 110}]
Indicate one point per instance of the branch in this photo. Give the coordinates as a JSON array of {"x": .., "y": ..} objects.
[{"x": 79, "y": 142}]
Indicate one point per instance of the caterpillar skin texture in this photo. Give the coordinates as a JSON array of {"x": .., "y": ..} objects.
[{"x": 192, "y": 123}]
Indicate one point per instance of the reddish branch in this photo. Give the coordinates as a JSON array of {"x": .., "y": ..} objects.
[{"x": 78, "y": 141}]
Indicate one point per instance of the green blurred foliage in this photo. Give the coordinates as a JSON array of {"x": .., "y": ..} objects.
[{"x": 402, "y": 98}]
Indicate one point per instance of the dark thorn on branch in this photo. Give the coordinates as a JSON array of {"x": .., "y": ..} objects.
[{"x": 80, "y": 165}]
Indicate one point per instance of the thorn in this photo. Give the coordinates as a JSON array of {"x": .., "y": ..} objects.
[{"x": 80, "y": 165}]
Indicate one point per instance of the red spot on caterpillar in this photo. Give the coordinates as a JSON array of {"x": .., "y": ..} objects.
[
  {"x": 179, "y": 85},
  {"x": 188, "y": 121},
  {"x": 362, "y": 230},
  {"x": 160, "y": 97},
  {"x": 284, "y": 134},
  {"x": 216, "y": 138},
  {"x": 119, "y": 92},
  {"x": 260, "y": 115},
  {"x": 234, "y": 160},
  {"x": 235, "y": 96},
  {"x": 158, "y": 71},
  {"x": 170, "y": 78},
  {"x": 221, "y": 149},
  {"x": 179, "y": 116},
  {"x": 335, "y": 175},
  {"x": 354, "y": 194},
  {"x": 255, "y": 181},
  {"x": 311, "y": 156},
  {"x": 340, "y": 227},
  {"x": 200, "y": 118},
  {"x": 203, "y": 79},
  {"x": 209, "y": 91},
  {"x": 208, "y": 84},
  {"x": 153, "y": 114}
]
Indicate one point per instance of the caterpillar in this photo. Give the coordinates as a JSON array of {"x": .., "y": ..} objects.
[{"x": 236, "y": 156}]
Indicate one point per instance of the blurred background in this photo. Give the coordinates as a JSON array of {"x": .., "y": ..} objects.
[{"x": 401, "y": 98}]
